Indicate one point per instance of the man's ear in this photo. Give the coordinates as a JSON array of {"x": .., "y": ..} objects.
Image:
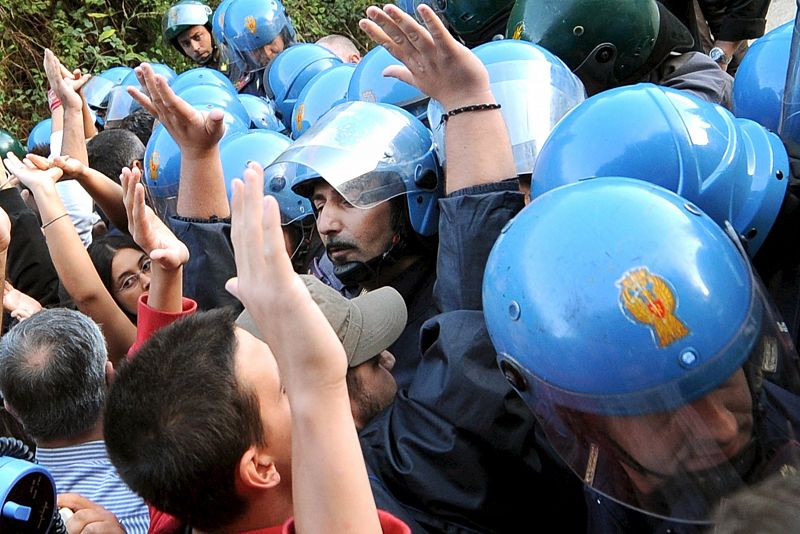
[
  {"x": 257, "y": 469},
  {"x": 109, "y": 373},
  {"x": 137, "y": 164}
]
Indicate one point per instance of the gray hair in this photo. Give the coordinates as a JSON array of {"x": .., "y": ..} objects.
[{"x": 52, "y": 373}]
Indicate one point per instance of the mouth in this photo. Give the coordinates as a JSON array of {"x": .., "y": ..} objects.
[{"x": 339, "y": 254}]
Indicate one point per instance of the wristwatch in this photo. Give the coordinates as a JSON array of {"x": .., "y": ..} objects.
[{"x": 718, "y": 55}]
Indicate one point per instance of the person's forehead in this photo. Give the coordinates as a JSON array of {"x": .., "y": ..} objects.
[
  {"x": 253, "y": 358},
  {"x": 193, "y": 32}
]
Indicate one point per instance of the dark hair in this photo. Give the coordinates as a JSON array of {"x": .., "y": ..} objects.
[
  {"x": 111, "y": 150},
  {"x": 52, "y": 373},
  {"x": 41, "y": 149},
  {"x": 140, "y": 122},
  {"x": 102, "y": 252},
  {"x": 177, "y": 422}
]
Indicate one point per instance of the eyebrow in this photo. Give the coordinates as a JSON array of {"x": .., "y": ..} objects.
[{"x": 124, "y": 274}]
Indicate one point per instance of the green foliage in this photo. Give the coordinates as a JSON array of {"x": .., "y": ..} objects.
[{"x": 93, "y": 35}]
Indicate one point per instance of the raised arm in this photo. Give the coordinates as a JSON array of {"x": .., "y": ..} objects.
[
  {"x": 331, "y": 491},
  {"x": 66, "y": 85},
  {"x": 201, "y": 191},
  {"x": 477, "y": 143},
  {"x": 5, "y": 241},
  {"x": 166, "y": 251},
  {"x": 106, "y": 192},
  {"x": 72, "y": 262}
]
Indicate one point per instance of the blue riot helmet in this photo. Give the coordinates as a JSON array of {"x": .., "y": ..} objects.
[
  {"x": 209, "y": 97},
  {"x": 733, "y": 169},
  {"x": 258, "y": 30},
  {"x": 121, "y": 104},
  {"x": 262, "y": 112},
  {"x": 368, "y": 84},
  {"x": 761, "y": 77},
  {"x": 162, "y": 165},
  {"x": 535, "y": 89},
  {"x": 291, "y": 71},
  {"x": 98, "y": 88},
  {"x": 262, "y": 146},
  {"x": 636, "y": 331},
  {"x": 40, "y": 134},
  {"x": 370, "y": 153},
  {"x": 323, "y": 92},
  {"x": 229, "y": 59},
  {"x": 201, "y": 76}
]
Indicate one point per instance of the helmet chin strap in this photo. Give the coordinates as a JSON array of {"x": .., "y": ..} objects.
[
  {"x": 353, "y": 273},
  {"x": 695, "y": 487}
]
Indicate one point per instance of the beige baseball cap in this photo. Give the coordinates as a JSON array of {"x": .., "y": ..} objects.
[{"x": 366, "y": 325}]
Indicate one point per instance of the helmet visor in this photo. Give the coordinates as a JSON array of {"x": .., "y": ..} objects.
[
  {"x": 369, "y": 153},
  {"x": 677, "y": 460},
  {"x": 534, "y": 96},
  {"x": 120, "y": 104},
  {"x": 96, "y": 92}
]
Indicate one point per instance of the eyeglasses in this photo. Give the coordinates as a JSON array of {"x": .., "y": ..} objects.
[{"x": 130, "y": 281}]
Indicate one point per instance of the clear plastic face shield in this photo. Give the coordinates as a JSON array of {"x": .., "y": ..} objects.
[
  {"x": 96, "y": 91},
  {"x": 369, "y": 153},
  {"x": 120, "y": 103},
  {"x": 678, "y": 459},
  {"x": 534, "y": 96}
]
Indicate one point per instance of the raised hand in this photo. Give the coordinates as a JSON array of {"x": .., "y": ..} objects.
[
  {"x": 65, "y": 84},
  {"x": 18, "y": 304},
  {"x": 261, "y": 255},
  {"x": 34, "y": 171},
  {"x": 433, "y": 60},
  {"x": 147, "y": 229},
  {"x": 72, "y": 167},
  {"x": 195, "y": 132}
]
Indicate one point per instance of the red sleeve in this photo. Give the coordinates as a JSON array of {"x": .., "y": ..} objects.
[
  {"x": 161, "y": 523},
  {"x": 389, "y": 524},
  {"x": 150, "y": 320}
]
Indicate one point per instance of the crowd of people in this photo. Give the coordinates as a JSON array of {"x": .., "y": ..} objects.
[{"x": 521, "y": 264}]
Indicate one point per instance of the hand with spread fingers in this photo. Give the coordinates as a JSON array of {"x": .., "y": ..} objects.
[
  {"x": 194, "y": 131},
  {"x": 147, "y": 229},
  {"x": 65, "y": 84},
  {"x": 433, "y": 60}
]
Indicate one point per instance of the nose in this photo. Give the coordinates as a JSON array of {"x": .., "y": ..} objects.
[
  {"x": 144, "y": 280},
  {"x": 387, "y": 360},
  {"x": 718, "y": 422},
  {"x": 327, "y": 221}
]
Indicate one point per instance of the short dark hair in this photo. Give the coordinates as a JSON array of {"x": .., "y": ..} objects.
[
  {"x": 177, "y": 421},
  {"x": 52, "y": 373},
  {"x": 140, "y": 122},
  {"x": 111, "y": 150}
]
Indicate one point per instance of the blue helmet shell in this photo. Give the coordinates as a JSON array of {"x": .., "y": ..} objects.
[
  {"x": 368, "y": 84},
  {"x": 733, "y": 169},
  {"x": 40, "y": 134},
  {"x": 323, "y": 92},
  {"x": 262, "y": 146},
  {"x": 760, "y": 79},
  {"x": 209, "y": 97},
  {"x": 252, "y": 24},
  {"x": 291, "y": 70},
  {"x": 618, "y": 297},
  {"x": 262, "y": 113},
  {"x": 201, "y": 76}
]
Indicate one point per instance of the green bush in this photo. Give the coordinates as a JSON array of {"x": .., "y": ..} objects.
[{"x": 93, "y": 35}]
